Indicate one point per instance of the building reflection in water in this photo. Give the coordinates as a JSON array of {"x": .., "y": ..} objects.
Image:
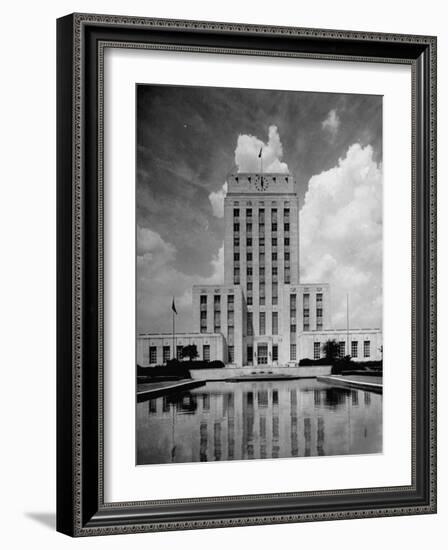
[{"x": 256, "y": 420}]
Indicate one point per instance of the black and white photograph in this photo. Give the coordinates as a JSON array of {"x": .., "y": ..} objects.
[{"x": 259, "y": 274}]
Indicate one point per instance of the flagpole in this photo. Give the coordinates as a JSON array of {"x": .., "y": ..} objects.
[
  {"x": 348, "y": 343},
  {"x": 174, "y": 343}
]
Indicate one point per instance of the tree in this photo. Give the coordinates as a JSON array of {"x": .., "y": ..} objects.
[
  {"x": 190, "y": 351},
  {"x": 331, "y": 350}
]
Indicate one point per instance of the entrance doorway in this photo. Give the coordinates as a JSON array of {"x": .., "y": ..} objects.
[{"x": 262, "y": 354}]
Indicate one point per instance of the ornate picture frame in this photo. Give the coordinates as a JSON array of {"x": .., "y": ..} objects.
[{"x": 81, "y": 506}]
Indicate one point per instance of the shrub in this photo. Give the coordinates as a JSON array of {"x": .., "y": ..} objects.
[
  {"x": 173, "y": 369},
  {"x": 314, "y": 362},
  {"x": 205, "y": 364},
  {"x": 347, "y": 366}
]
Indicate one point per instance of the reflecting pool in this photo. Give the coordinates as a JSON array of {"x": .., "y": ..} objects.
[{"x": 258, "y": 419}]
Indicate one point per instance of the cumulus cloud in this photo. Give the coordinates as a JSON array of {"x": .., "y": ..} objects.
[
  {"x": 341, "y": 236},
  {"x": 158, "y": 281},
  {"x": 216, "y": 199},
  {"x": 331, "y": 123},
  {"x": 248, "y": 148}
]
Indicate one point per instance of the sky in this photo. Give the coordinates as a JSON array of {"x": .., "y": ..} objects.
[{"x": 190, "y": 138}]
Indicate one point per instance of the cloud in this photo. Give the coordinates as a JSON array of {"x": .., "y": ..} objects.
[
  {"x": 341, "y": 236},
  {"x": 216, "y": 199},
  {"x": 158, "y": 280},
  {"x": 248, "y": 148},
  {"x": 331, "y": 123}
]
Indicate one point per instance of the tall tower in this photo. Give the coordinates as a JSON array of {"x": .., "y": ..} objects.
[{"x": 261, "y": 256}]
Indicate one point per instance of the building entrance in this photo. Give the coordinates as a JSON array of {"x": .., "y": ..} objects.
[{"x": 262, "y": 354}]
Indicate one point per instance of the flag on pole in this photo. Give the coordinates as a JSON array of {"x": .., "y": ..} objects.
[
  {"x": 173, "y": 307},
  {"x": 259, "y": 154}
]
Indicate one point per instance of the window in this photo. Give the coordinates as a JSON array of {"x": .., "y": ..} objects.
[
  {"x": 287, "y": 275},
  {"x": 179, "y": 352},
  {"x": 249, "y": 256},
  {"x": 293, "y": 352},
  {"x": 230, "y": 318},
  {"x": 293, "y": 305},
  {"x": 275, "y": 352},
  {"x": 230, "y": 334},
  {"x": 286, "y": 213},
  {"x": 236, "y": 242},
  {"x": 275, "y": 322},
  {"x": 230, "y": 354},
  {"x": 341, "y": 350},
  {"x": 249, "y": 242},
  {"x": 262, "y": 328},
  {"x": 152, "y": 354},
  {"x": 236, "y": 212},
  {"x": 316, "y": 350},
  {"x": 261, "y": 215},
  {"x": 274, "y": 241},
  {"x": 262, "y": 300},
  {"x": 203, "y": 299},
  {"x": 286, "y": 256},
  {"x": 262, "y": 289},
  {"x": 273, "y": 227},
  {"x": 262, "y": 272},
  {"x": 248, "y": 212},
  {"x": 261, "y": 242},
  {"x": 236, "y": 227},
  {"x": 274, "y": 256},
  {"x": 261, "y": 258},
  {"x": 354, "y": 349},
  {"x": 286, "y": 227},
  {"x": 230, "y": 302},
  {"x": 217, "y": 322},
  {"x": 206, "y": 352},
  {"x": 249, "y": 300},
  {"x": 204, "y": 321},
  {"x": 166, "y": 353},
  {"x": 249, "y": 287},
  {"x": 366, "y": 348},
  {"x": 293, "y": 328},
  {"x": 250, "y": 354},
  {"x": 306, "y": 312},
  {"x": 249, "y": 271},
  {"x": 274, "y": 215},
  {"x": 250, "y": 328},
  {"x": 248, "y": 228},
  {"x": 286, "y": 241},
  {"x": 236, "y": 256},
  {"x": 274, "y": 293},
  {"x": 217, "y": 301},
  {"x": 236, "y": 276}
]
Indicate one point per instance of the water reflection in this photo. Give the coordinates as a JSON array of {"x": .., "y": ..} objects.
[{"x": 263, "y": 419}]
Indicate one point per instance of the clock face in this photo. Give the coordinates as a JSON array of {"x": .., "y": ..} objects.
[{"x": 261, "y": 182}]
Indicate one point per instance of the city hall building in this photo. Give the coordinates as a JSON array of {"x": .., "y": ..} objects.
[{"x": 262, "y": 315}]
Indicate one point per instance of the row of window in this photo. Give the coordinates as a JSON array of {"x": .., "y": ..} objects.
[
  {"x": 262, "y": 323},
  {"x": 261, "y": 240},
  {"x": 166, "y": 353},
  {"x": 261, "y": 227},
  {"x": 354, "y": 349},
  {"x": 261, "y": 212}
]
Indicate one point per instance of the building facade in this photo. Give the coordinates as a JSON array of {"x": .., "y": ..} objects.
[{"x": 263, "y": 313}]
